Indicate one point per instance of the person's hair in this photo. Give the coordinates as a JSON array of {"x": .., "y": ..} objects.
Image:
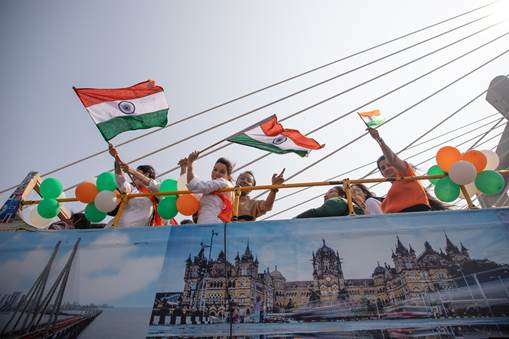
[
  {"x": 251, "y": 174},
  {"x": 80, "y": 221},
  {"x": 186, "y": 221},
  {"x": 378, "y": 161},
  {"x": 340, "y": 191},
  {"x": 227, "y": 163},
  {"x": 366, "y": 191},
  {"x": 147, "y": 170},
  {"x": 435, "y": 204}
]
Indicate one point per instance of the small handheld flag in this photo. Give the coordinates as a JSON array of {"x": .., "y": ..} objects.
[
  {"x": 372, "y": 118},
  {"x": 123, "y": 109},
  {"x": 270, "y": 135}
]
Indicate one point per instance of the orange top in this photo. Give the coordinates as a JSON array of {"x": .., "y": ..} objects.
[
  {"x": 404, "y": 194},
  {"x": 226, "y": 213}
]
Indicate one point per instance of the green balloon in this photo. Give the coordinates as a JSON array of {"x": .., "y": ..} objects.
[
  {"x": 48, "y": 208},
  {"x": 168, "y": 185},
  {"x": 51, "y": 188},
  {"x": 167, "y": 208},
  {"x": 490, "y": 182},
  {"x": 446, "y": 190},
  {"x": 434, "y": 170},
  {"x": 106, "y": 182},
  {"x": 93, "y": 214}
]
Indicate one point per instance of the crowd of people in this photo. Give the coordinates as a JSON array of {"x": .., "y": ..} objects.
[{"x": 217, "y": 207}]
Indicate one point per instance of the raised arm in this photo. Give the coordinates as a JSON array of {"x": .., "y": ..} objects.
[
  {"x": 189, "y": 163},
  {"x": 277, "y": 179},
  {"x": 389, "y": 155}
]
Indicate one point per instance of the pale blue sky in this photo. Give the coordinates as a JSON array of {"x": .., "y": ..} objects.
[{"x": 205, "y": 53}]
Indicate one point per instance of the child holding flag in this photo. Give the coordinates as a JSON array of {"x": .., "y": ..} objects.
[
  {"x": 214, "y": 207},
  {"x": 137, "y": 211}
]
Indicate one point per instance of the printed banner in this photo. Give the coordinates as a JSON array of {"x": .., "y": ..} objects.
[{"x": 415, "y": 274}]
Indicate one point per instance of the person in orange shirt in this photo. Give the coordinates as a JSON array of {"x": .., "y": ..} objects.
[{"x": 404, "y": 195}]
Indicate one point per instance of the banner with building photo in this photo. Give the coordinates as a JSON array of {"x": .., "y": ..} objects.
[{"x": 415, "y": 274}]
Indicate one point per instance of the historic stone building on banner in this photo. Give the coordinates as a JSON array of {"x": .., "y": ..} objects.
[{"x": 412, "y": 276}]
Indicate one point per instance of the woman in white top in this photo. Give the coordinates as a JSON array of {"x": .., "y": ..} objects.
[
  {"x": 214, "y": 207},
  {"x": 365, "y": 199},
  {"x": 137, "y": 211}
]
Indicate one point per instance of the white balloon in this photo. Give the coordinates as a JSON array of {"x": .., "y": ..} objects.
[
  {"x": 462, "y": 172},
  {"x": 492, "y": 158},
  {"x": 106, "y": 201},
  {"x": 36, "y": 220}
]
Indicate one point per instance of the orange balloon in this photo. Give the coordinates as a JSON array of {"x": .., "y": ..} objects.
[
  {"x": 86, "y": 192},
  {"x": 447, "y": 156},
  {"x": 476, "y": 158},
  {"x": 187, "y": 204}
]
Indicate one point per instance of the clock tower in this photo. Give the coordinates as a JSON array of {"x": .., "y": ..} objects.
[{"x": 328, "y": 280}]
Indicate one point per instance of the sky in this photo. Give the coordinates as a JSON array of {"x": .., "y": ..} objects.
[
  {"x": 360, "y": 241},
  {"x": 206, "y": 53},
  {"x": 115, "y": 267}
]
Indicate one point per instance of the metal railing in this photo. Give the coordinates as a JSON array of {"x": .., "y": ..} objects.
[{"x": 237, "y": 190}]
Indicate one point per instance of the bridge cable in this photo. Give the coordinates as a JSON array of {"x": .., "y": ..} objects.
[
  {"x": 262, "y": 89},
  {"x": 335, "y": 96}
]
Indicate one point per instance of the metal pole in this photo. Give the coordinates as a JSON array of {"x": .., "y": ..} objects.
[{"x": 482, "y": 293}]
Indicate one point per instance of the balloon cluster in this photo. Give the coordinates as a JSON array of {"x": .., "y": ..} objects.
[
  {"x": 185, "y": 204},
  {"x": 473, "y": 169},
  {"x": 101, "y": 198}
]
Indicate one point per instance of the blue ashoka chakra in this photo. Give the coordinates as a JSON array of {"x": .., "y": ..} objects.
[
  {"x": 279, "y": 139},
  {"x": 126, "y": 107}
]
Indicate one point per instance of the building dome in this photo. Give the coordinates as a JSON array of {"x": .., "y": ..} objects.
[
  {"x": 276, "y": 274},
  {"x": 379, "y": 270},
  {"x": 325, "y": 251}
]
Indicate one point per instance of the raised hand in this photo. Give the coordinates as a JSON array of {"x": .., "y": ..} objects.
[
  {"x": 278, "y": 179},
  {"x": 192, "y": 157},
  {"x": 374, "y": 134}
]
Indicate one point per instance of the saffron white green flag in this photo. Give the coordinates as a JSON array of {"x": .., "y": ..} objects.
[
  {"x": 123, "y": 109},
  {"x": 372, "y": 118},
  {"x": 269, "y": 135}
]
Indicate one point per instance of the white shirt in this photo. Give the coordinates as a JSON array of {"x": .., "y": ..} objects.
[
  {"x": 210, "y": 205},
  {"x": 138, "y": 211},
  {"x": 373, "y": 206}
]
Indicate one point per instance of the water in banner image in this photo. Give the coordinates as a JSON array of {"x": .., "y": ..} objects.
[
  {"x": 407, "y": 275},
  {"x": 118, "y": 322}
]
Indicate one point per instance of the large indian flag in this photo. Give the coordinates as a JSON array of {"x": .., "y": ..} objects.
[
  {"x": 269, "y": 135},
  {"x": 123, "y": 109}
]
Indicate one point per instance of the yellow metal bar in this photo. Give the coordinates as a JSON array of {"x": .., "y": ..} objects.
[
  {"x": 123, "y": 201},
  {"x": 35, "y": 202},
  {"x": 346, "y": 187},
  {"x": 467, "y": 197},
  {"x": 236, "y": 201},
  {"x": 268, "y": 187}
]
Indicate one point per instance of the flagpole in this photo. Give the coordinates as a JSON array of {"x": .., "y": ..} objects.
[{"x": 365, "y": 123}]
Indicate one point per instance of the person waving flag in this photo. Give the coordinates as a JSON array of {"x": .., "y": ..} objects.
[
  {"x": 270, "y": 135},
  {"x": 123, "y": 109}
]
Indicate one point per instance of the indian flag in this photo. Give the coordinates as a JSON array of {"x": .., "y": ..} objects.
[
  {"x": 123, "y": 109},
  {"x": 372, "y": 118},
  {"x": 269, "y": 135}
]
